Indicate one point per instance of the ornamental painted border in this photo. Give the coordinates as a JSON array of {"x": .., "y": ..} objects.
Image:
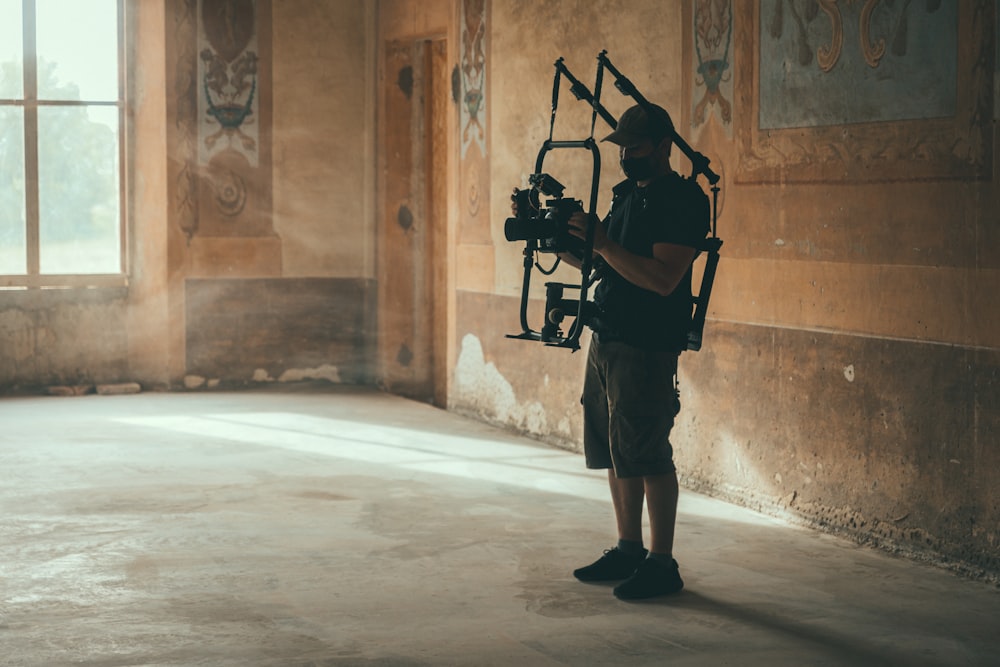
[{"x": 960, "y": 147}]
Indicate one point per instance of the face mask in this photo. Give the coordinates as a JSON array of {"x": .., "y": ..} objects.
[{"x": 639, "y": 168}]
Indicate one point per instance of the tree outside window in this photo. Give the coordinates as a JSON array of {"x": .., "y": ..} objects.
[{"x": 61, "y": 112}]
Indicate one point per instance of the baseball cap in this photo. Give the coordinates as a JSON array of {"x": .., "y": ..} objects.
[{"x": 635, "y": 125}]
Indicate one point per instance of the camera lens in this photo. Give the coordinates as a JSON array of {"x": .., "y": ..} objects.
[{"x": 516, "y": 229}]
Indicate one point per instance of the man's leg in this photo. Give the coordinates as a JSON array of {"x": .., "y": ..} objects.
[
  {"x": 626, "y": 496},
  {"x": 661, "y": 500},
  {"x": 657, "y": 574},
  {"x": 620, "y": 562}
]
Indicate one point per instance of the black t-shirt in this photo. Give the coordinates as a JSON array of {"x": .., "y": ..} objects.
[{"x": 671, "y": 209}]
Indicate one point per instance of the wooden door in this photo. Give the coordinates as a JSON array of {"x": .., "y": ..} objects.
[{"x": 412, "y": 233}]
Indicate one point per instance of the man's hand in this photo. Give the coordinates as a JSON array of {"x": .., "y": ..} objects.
[{"x": 578, "y": 228}]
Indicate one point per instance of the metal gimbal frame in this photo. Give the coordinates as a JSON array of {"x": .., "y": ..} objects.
[{"x": 556, "y": 306}]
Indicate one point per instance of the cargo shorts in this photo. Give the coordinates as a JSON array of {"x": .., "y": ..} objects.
[{"x": 629, "y": 406}]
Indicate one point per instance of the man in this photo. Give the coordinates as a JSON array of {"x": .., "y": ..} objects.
[{"x": 648, "y": 242}]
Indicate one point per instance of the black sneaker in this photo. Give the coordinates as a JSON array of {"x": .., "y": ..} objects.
[
  {"x": 614, "y": 564},
  {"x": 652, "y": 578}
]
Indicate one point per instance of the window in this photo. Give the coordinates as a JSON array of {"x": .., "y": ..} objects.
[{"x": 61, "y": 143}]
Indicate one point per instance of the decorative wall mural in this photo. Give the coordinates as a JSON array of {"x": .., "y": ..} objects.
[
  {"x": 474, "y": 196},
  {"x": 222, "y": 125},
  {"x": 185, "y": 87},
  {"x": 864, "y": 90},
  {"x": 473, "y": 67},
  {"x": 824, "y": 62},
  {"x": 229, "y": 189},
  {"x": 713, "y": 78},
  {"x": 227, "y": 77}
]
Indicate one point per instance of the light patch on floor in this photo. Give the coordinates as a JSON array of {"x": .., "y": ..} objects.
[
  {"x": 482, "y": 386},
  {"x": 533, "y": 467}
]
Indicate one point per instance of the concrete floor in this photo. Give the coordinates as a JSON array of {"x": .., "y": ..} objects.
[{"x": 348, "y": 527}]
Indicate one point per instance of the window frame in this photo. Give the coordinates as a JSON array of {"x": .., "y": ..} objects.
[{"x": 29, "y": 102}]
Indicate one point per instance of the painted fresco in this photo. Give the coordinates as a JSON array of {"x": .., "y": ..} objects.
[
  {"x": 185, "y": 24},
  {"x": 227, "y": 78},
  {"x": 829, "y": 63},
  {"x": 223, "y": 118},
  {"x": 473, "y": 72},
  {"x": 864, "y": 91},
  {"x": 713, "y": 77},
  {"x": 470, "y": 84}
]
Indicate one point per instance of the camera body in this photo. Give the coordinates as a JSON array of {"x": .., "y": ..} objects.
[{"x": 549, "y": 224}]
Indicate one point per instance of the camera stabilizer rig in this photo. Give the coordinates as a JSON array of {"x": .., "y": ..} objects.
[{"x": 545, "y": 228}]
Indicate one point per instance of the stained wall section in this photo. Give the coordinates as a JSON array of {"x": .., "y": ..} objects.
[
  {"x": 278, "y": 255},
  {"x": 855, "y": 305}
]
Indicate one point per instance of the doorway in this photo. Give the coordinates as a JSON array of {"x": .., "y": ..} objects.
[{"x": 412, "y": 232}]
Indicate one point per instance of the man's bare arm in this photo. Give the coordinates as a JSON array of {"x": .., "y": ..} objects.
[{"x": 661, "y": 273}]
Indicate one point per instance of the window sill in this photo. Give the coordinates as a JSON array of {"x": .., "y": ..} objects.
[
  {"x": 57, "y": 282},
  {"x": 32, "y": 292}
]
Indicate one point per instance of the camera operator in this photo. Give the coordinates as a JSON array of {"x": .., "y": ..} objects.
[{"x": 648, "y": 242}]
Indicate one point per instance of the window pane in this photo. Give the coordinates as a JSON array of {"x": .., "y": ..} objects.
[
  {"x": 77, "y": 49},
  {"x": 78, "y": 190},
  {"x": 11, "y": 48},
  {"x": 13, "y": 251}
]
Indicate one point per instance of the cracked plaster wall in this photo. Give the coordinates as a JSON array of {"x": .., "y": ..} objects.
[{"x": 488, "y": 394}]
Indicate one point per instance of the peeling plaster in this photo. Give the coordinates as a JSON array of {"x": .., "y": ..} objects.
[
  {"x": 197, "y": 382},
  {"x": 325, "y": 372},
  {"x": 486, "y": 391}
]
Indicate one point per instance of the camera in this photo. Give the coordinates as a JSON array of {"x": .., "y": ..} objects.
[
  {"x": 548, "y": 225},
  {"x": 546, "y": 229}
]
